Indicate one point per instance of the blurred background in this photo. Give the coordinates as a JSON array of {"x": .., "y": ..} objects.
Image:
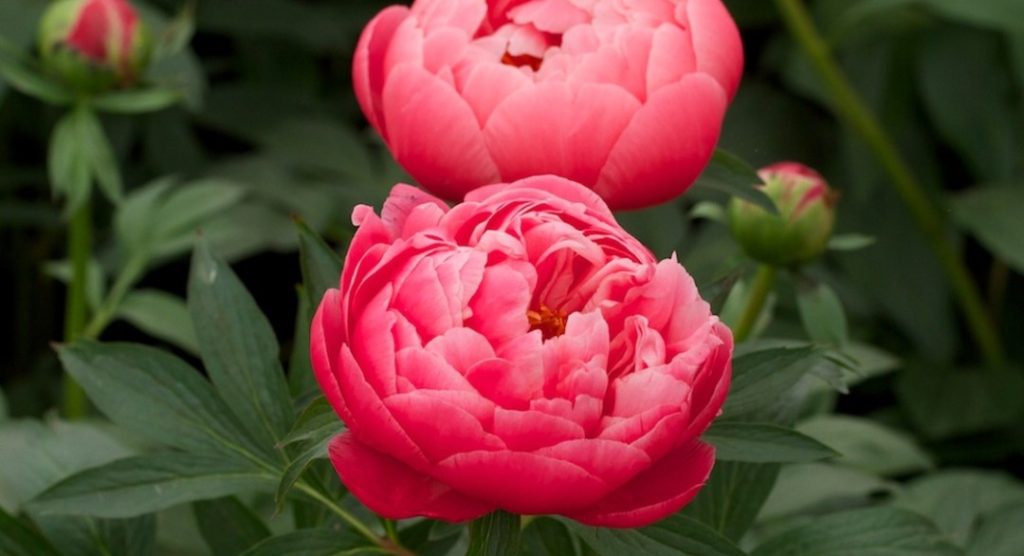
[{"x": 270, "y": 131}]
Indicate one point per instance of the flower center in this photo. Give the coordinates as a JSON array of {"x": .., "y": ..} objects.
[
  {"x": 550, "y": 322},
  {"x": 521, "y": 60}
]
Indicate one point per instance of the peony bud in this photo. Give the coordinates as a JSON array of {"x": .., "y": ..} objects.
[
  {"x": 801, "y": 229},
  {"x": 94, "y": 45}
]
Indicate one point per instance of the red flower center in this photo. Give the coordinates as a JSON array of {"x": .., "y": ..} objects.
[
  {"x": 550, "y": 322},
  {"x": 521, "y": 60}
]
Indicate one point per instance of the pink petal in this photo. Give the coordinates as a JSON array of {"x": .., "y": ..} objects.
[
  {"x": 443, "y": 48},
  {"x": 665, "y": 146},
  {"x": 500, "y": 305},
  {"x": 671, "y": 57},
  {"x": 439, "y": 428},
  {"x": 374, "y": 425},
  {"x": 509, "y": 386},
  {"x": 521, "y": 482},
  {"x": 550, "y": 128},
  {"x": 712, "y": 383},
  {"x": 428, "y": 370},
  {"x": 461, "y": 348},
  {"x": 420, "y": 110},
  {"x": 716, "y": 42},
  {"x": 636, "y": 392},
  {"x": 544, "y": 187},
  {"x": 325, "y": 347},
  {"x": 656, "y": 493},
  {"x": 401, "y": 202},
  {"x": 485, "y": 86},
  {"x": 373, "y": 344},
  {"x": 529, "y": 430},
  {"x": 368, "y": 63},
  {"x": 614, "y": 462},
  {"x": 552, "y": 16},
  {"x": 630, "y": 429},
  {"x": 395, "y": 491},
  {"x": 466, "y": 15}
]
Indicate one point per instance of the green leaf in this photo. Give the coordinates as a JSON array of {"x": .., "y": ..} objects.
[
  {"x": 29, "y": 79},
  {"x": 238, "y": 348},
  {"x": 296, "y": 467},
  {"x": 301, "y": 381},
  {"x": 87, "y": 536},
  {"x": 730, "y": 501},
  {"x": 136, "y": 101},
  {"x": 816, "y": 487},
  {"x": 821, "y": 312},
  {"x": 315, "y": 421},
  {"x": 228, "y": 526},
  {"x": 37, "y": 454},
  {"x": 321, "y": 266},
  {"x": 4, "y": 411},
  {"x": 992, "y": 215},
  {"x": 314, "y": 542},
  {"x": 673, "y": 536},
  {"x": 17, "y": 539},
  {"x": 548, "y": 536},
  {"x": 69, "y": 167},
  {"x": 763, "y": 443},
  {"x": 661, "y": 228},
  {"x": 495, "y": 534},
  {"x": 875, "y": 531},
  {"x": 761, "y": 377},
  {"x": 729, "y": 174},
  {"x": 944, "y": 403},
  {"x": 161, "y": 315},
  {"x": 156, "y": 395},
  {"x": 150, "y": 483},
  {"x": 868, "y": 445},
  {"x": 317, "y": 144},
  {"x": 998, "y": 532},
  {"x": 955, "y": 500}
]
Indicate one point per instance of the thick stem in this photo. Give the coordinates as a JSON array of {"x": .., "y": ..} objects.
[
  {"x": 762, "y": 285},
  {"x": 851, "y": 109},
  {"x": 130, "y": 274},
  {"x": 495, "y": 534},
  {"x": 79, "y": 251}
]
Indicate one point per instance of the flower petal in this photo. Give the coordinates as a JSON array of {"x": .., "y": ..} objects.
[
  {"x": 716, "y": 42},
  {"x": 418, "y": 105},
  {"x": 395, "y": 491},
  {"x": 368, "y": 63},
  {"x": 661, "y": 490}
]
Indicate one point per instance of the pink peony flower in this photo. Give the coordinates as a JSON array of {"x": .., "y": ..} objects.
[
  {"x": 518, "y": 351},
  {"x": 624, "y": 96}
]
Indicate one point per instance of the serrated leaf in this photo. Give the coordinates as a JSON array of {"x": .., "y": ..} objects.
[
  {"x": 868, "y": 445},
  {"x": 239, "y": 348},
  {"x": 17, "y": 539},
  {"x": 155, "y": 395},
  {"x": 761, "y": 377},
  {"x": 993, "y": 215},
  {"x": 821, "y": 312},
  {"x": 161, "y": 315},
  {"x": 673, "y": 536},
  {"x": 763, "y": 443},
  {"x": 875, "y": 531},
  {"x": 150, "y": 483},
  {"x": 228, "y": 526},
  {"x": 314, "y": 542},
  {"x": 136, "y": 101},
  {"x": 719, "y": 504},
  {"x": 729, "y": 174}
]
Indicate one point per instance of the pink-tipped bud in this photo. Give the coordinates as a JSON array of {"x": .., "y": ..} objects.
[
  {"x": 803, "y": 225},
  {"x": 94, "y": 45}
]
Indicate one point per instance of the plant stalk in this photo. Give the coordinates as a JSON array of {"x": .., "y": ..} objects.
[
  {"x": 76, "y": 304},
  {"x": 854, "y": 111},
  {"x": 764, "y": 280}
]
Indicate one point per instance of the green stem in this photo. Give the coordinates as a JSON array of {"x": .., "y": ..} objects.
[
  {"x": 130, "y": 273},
  {"x": 333, "y": 506},
  {"x": 849, "y": 107},
  {"x": 79, "y": 251},
  {"x": 495, "y": 534},
  {"x": 764, "y": 280}
]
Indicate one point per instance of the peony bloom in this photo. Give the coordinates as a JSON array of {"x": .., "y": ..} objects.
[
  {"x": 624, "y": 96},
  {"x": 94, "y": 44},
  {"x": 801, "y": 229},
  {"x": 517, "y": 351}
]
